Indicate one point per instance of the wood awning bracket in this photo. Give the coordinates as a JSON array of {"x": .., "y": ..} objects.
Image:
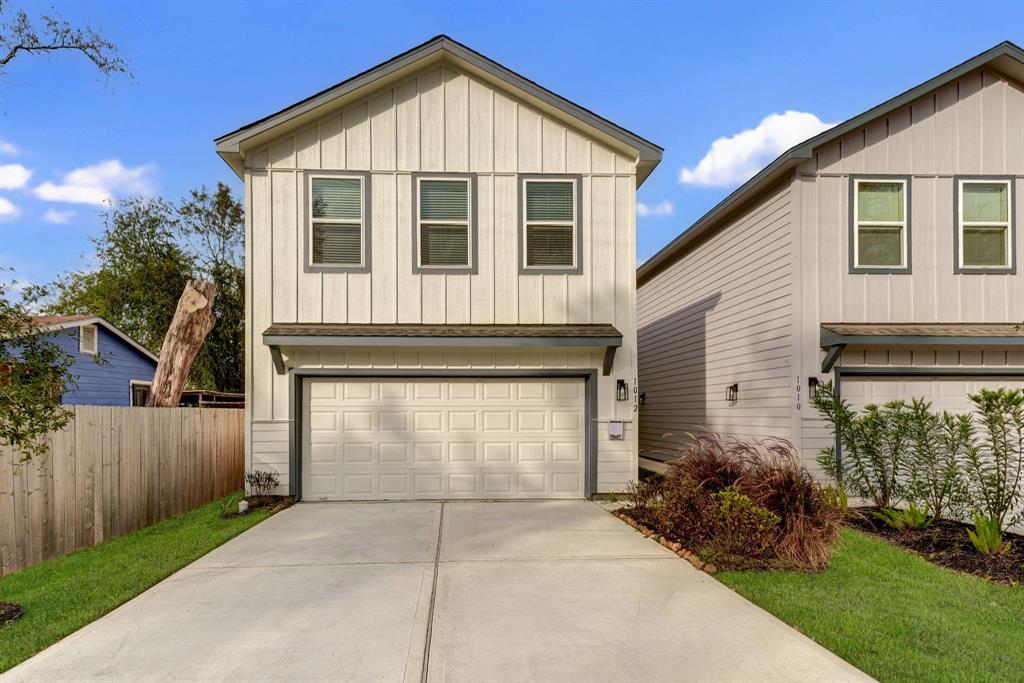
[
  {"x": 609, "y": 360},
  {"x": 275, "y": 354},
  {"x": 832, "y": 357}
]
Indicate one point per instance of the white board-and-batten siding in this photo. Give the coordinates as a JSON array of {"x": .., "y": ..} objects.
[
  {"x": 718, "y": 315},
  {"x": 441, "y": 120}
]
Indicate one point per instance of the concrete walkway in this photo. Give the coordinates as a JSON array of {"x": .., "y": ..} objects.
[{"x": 473, "y": 592}]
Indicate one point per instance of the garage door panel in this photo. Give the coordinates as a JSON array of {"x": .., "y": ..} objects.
[
  {"x": 949, "y": 393},
  {"x": 471, "y": 438}
]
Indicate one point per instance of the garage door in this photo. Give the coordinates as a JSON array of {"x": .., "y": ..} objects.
[
  {"x": 367, "y": 439},
  {"x": 945, "y": 393}
]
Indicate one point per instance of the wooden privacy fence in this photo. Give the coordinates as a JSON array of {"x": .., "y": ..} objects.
[{"x": 114, "y": 470}]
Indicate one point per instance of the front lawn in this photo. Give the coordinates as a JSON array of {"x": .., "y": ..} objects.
[
  {"x": 895, "y": 616},
  {"x": 64, "y": 594}
]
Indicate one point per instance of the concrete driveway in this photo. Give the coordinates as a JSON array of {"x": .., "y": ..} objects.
[{"x": 472, "y": 592}]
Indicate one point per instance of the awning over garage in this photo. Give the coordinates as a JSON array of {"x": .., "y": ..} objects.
[
  {"x": 837, "y": 336},
  {"x": 392, "y": 335}
]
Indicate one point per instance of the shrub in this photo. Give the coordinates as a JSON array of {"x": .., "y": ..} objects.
[
  {"x": 261, "y": 482},
  {"x": 911, "y": 517},
  {"x": 938, "y": 443},
  {"x": 994, "y": 462},
  {"x": 987, "y": 537},
  {"x": 742, "y": 529},
  {"x": 743, "y": 503},
  {"x": 875, "y": 446}
]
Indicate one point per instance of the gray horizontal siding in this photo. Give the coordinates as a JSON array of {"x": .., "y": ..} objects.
[{"x": 721, "y": 314}]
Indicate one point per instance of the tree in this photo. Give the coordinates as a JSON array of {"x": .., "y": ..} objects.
[
  {"x": 148, "y": 250},
  {"x": 34, "y": 374},
  {"x": 18, "y": 35},
  {"x": 139, "y": 272},
  {"x": 213, "y": 225}
]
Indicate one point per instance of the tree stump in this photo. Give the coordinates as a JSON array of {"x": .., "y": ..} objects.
[{"x": 193, "y": 320}]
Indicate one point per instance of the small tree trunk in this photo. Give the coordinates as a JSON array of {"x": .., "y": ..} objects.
[{"x": 193, "y": 320}]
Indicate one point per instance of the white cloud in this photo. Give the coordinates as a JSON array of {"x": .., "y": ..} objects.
[
  {"x": 58, "y": 217},
  {"x": 662, "y": 208},
  {"x": 13, "y": 176},
  {"x": 734, "y": 159},
  {"x": 8, "y": 148},
  {"x": 100, "y": 183},
  {"x": 7, "y": 209}
]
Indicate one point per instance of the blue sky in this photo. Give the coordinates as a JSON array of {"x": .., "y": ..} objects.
[{"x": 681, "y": 74}]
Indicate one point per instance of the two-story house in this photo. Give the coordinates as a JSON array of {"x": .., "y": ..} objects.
[
  {"x": 440, "y": 286},
  {"x": 882, "y": 255}
]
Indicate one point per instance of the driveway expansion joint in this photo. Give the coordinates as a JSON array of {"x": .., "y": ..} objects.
[{"x": 433, "y": 599}]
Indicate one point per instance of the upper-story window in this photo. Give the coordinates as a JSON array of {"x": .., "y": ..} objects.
[
  {"x": 550, "y": 237},
  {"x": 88, "y": 339},
  {"x": 338, "y": 225},
  {"x": 880, "y": 225},
  {"x": 444, "y": 223},
  {"x": 984, "y": 225}
]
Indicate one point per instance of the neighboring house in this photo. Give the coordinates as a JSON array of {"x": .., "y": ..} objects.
[
  {"x": 110, "y": 368},
  {"x": 883, "y": 255},
  {"x": 440, "y": 286}
]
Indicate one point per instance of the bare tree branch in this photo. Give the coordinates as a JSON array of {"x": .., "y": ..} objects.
[{"x": 18, "y": 35}]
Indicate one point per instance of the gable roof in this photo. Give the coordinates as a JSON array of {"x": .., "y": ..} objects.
[
  {"x": 62, "y": 322},
  {"x": 230, "y": 145},
  {"x": 1005, "y": 57}
]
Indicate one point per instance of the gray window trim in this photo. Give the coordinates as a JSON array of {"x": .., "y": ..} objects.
[
  {"x": 521, "y": 180},
  {"x": 295, "y": 386},
  {"x": 852, "y": 224},
  {"x": 1012, "y": 269},
  {"x": 474, "y": 225},
  {"x": 307, "y": 223}
]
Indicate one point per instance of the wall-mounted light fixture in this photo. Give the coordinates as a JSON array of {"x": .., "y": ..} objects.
[
  {"x": 621, "y": 390},
  {"x": 732, "y": 393},
  {"x": 812, "y": 388},
  {"x": 643, "y": 398}
]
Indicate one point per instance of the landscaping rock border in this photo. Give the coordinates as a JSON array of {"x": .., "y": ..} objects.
[{"x": 674, "y": 546}]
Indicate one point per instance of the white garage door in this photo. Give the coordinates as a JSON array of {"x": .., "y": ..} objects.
[
  {"x": 435, "y": 438},
  {"x": 945, "y": 393}
]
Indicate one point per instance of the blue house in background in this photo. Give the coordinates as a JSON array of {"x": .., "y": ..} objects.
[{"x": 123, "y": 375}]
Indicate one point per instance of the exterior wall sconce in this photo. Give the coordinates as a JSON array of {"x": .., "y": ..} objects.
[
  {"x": 732, "y": 393},
  {"x": 643, "y": 398},
  {"x": 621, "y": 390},
  {"x": 812, "y": 388}
]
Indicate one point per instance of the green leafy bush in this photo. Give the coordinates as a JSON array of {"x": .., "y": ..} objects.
[
  {"x": 938, "y": 444},
  {"x": 876, "y": 446},
  {"x": 911, "y": 517},
  {"x": 987, "y": 537},
  {"x": 742, "y": 528},
  {"x": 994, "y": 461}
]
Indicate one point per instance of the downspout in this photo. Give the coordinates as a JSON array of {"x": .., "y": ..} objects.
[{"x": 837, "y": 390}]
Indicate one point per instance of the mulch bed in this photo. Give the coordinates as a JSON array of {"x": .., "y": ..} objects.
[
  {"x": 9, "y": 613},
  {"x": 945, "y": 543},
  {"x": 274, "y": 503}
]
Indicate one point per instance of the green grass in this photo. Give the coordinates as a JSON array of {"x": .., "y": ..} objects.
[
  {"x": 64, "y": 594},
  {"x": 897, "y": 617}
]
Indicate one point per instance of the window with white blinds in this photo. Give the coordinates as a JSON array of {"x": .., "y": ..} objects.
[
  {"x": 443, "y": 216},
  {"x": 550, "y": 224},
  {"x": 336, "y": 221},
  {"x": 88, "y": 337}
]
